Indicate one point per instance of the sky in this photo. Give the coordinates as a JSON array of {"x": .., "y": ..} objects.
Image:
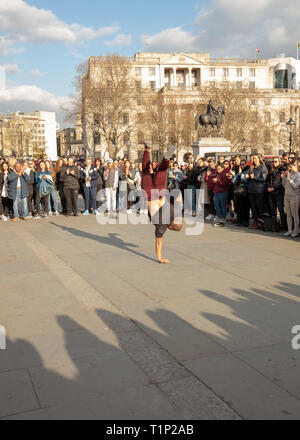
[{"x": 42, "y": 41}]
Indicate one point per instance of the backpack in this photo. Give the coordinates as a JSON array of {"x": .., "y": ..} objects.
[{"x": 268, "y": 223}]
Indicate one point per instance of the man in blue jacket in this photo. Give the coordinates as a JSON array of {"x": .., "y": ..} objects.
[{"x": 18, "y": 190}]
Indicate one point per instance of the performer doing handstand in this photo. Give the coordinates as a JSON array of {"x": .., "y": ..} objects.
[{"x": 158, "y": 205}]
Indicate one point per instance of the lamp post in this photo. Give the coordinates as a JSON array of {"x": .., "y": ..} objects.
[{"x": 291, "y": 125}]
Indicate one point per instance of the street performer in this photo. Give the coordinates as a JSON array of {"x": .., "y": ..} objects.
[{"x": 161, "y": 207}]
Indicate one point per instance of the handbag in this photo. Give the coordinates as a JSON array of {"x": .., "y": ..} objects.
[{"x": 240, "y": 191}]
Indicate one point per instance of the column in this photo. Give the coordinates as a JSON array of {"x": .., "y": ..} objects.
[
  {"x": 190, "y": 77},
  {"x": 174, "y": 77}
]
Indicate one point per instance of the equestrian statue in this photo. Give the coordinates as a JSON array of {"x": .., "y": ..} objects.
[{"x": 213, "y": 118}]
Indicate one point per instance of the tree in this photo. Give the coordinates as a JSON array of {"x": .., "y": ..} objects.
[
  {"x": 245, "y": 114},
  {"x": 109, "y": 94}
]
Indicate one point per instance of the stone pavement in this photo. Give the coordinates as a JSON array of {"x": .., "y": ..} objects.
[{"x": 96, "y": 329}]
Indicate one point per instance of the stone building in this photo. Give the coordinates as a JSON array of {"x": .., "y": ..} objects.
[
  {"x": 28, "y": 134},
  {"x": 69, "y": 140},
  {"x": 272, "y": 86}
]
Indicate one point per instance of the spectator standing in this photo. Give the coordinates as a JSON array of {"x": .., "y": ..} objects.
[
  {"x": 41, "y": 199},
  {"x": 18, "y": 190},
  {"x": 291, "y": 183},
  {"x": 275, "y": 192},
  {"x": 59, "y": 185},
  {"x": 209, "y": 176},
  {"x": 240, "y": 191},
  {"x": 89, "y": 177},
  {"x": 111, "y": 179},
  {"x": 31, "y": 184},
  {"x": 6, "y": 203},
  {"x": 256, "y": 188},
  {"x": 221, "y": 182},
  {"x": 70, "y": 176}
]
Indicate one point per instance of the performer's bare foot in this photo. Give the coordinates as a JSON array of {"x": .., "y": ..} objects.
[{"x": 164, "y": 262}]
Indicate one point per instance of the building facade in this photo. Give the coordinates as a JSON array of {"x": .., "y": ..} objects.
[
  {"x": 69, "y": 140},
  {"x": 273, "y": 92},
  {"x": 28, "y": 134}
]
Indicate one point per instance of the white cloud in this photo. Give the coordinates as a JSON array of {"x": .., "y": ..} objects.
[
  {"x": 119, "y": 40},
  {"x": 28, "y": 98},
  {"x": 11, "y": 69},
  {"x": 31, "y": 94},
  {"x": 37, "y": 72},
  {"x": 22, "y": 23},
  {"x": 235, "y": 28},
  {"x": 173, "y": 39}
]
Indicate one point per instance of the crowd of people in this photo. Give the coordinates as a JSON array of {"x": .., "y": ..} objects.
[
  {"x": 266, "y": 191},
  {"x": 236, "y": 190}
]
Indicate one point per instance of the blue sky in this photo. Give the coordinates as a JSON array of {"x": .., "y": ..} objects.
[{"x": 42, "y": 41}]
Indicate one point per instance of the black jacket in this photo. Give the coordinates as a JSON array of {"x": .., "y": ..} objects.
[
  {"x": 258, "y": 184},
  {"x": 71, "y": 181},
  {"x": 94, "y": 175},
  {"x": 274, "y": 181}
]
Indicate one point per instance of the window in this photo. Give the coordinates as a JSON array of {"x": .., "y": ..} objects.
[
  {"x": 225, "y": 71},
  {"x": 252, "y": 72},
  {"x": 267, "y": 117},
  {"x": 212, "y": 71},
  {"x": 152, "y": 85},
  {"x": 252, "y": 84},
  {"x": 138, "y": 71},
  {"x": 267, "y": 136},
  {"x": 253, "y": 136},
  {"x": 125, "y": 119},
  {"x": 139, "y": 102},
  {"x": 239, "y": 72},
  {"x": 282, "y": 117},
  {"x": 140, "y": 137},
  {"x": 138, "y": 85},
  {"x": 172, "y": 138},
  {"x": 239, "y": 85},
  {"x": 154, "y": 138},
  {"x": 109, "y": 84},
  {"x": 253, "y": 101},
  {"x": 152, "y": 71}
]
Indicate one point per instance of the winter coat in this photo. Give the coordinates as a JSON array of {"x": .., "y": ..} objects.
[
  {"x": 13, "y": 183},
  {"x": 93, "y": 174},
  {"x": 71, "y": 181},
  {"x": 258, "y": 184}
]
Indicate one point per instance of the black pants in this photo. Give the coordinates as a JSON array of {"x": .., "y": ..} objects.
[
  {"x": 62, "y": 198},
  {"x": 38, "y": 200},
  {"x": 30, "y": 199},
  {"x": 257, "y": 205},
  {"x": 71, "y": 196},
  {"x": 211, "y": 208},
  {"x": 242, "y": 209},
  {"x": 276, "y": 201},
  {"x": 7, "y": 206}
]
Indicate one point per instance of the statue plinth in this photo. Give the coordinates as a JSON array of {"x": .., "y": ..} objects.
[{"x": 211, "y": 145}]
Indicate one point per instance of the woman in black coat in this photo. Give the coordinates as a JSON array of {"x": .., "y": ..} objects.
[{"x": 257, "y": 178}]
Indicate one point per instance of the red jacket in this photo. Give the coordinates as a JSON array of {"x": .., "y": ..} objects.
[
  {"x": 223, "y": 183},
  {"x": 208, "y": 179}
]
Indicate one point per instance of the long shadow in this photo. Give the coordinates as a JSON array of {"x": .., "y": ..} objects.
[
  {"x": 96, "y": 381},
  {"x": 111, "y": 240}
]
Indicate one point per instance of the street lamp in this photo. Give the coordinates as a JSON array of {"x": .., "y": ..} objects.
[{"x": 291, "y": 125}]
